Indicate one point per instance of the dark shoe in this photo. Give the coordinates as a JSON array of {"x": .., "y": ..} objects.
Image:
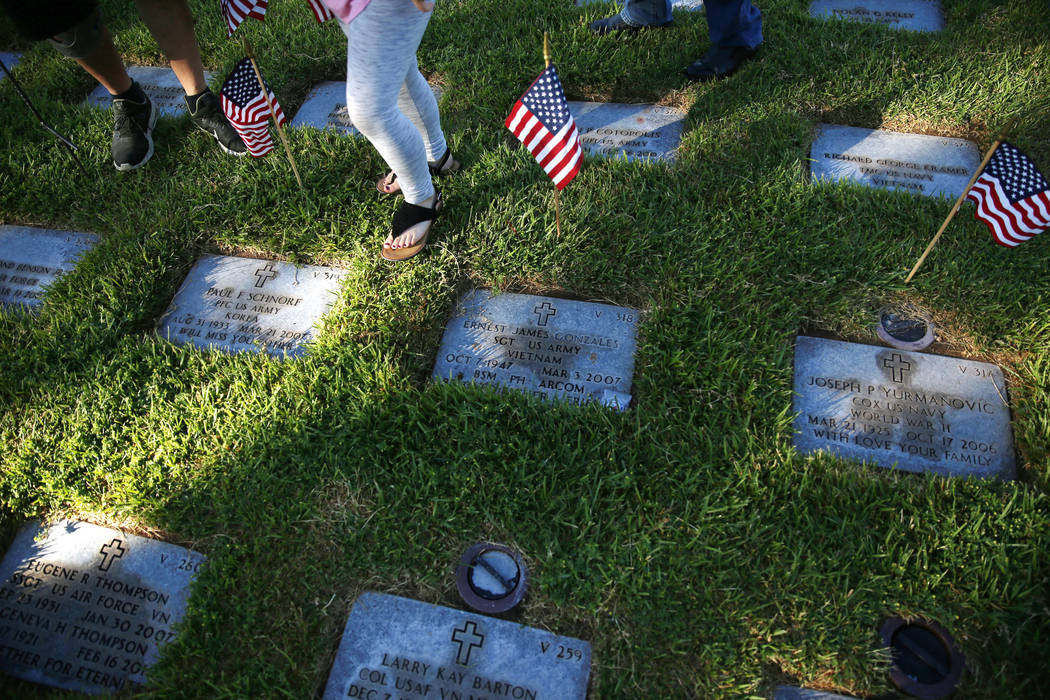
[
  {"x": 719, "y": 62},
  {"x": 132, "y": 132},
  {"x": 207, "y": 114},
  {"x": 616, "y": 23}
]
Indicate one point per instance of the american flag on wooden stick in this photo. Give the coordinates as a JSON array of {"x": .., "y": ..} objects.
[
  {"x": 247, "y": 108},
  {"x": 321, "y": 12},
  {"x": 541, "y": 120},
  {"x": 1012, "y": 197},
  {"x": 236, "y": 11}
]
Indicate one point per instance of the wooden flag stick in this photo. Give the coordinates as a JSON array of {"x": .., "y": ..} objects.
[
  {"x": 959, "y": 201},
  {"x": 273, "y": 112},
  {"x": 557, "y": 204}
]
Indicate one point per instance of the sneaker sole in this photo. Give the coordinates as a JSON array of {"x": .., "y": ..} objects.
[
  {"x": 153, "y": 114},
  {"x": 215, "y": 135}
]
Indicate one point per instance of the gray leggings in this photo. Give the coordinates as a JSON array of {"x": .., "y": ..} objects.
[{"x": 387, "y": 98}]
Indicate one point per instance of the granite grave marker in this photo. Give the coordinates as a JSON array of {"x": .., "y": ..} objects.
[
  {"x": 395, "y": 647},
  {"x": 786, "y": 692},
  {"x": 88, "y": 608},
  {"x": 913, "y": 15},
  {"x": 686, "y": 5},
  {"x": 10, "y": 59},
  {"x": 914, "y": 411},
  {"x": 934, "y": 166},
  {"x": 575, "y": 351},
  {"x": 243, "y": 304},
  {"x": 634, "y": 132},
  {"x": 33, "y": 258},
  {"x": 325, "y": 108},
  {"x": 159, "y": 83}
]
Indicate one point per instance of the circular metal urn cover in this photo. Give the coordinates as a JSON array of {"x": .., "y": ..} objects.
[
  {"x": 491, "y": 578},
  {"x": 926, "y": 661},
  {"x": 904, "y": 329}
]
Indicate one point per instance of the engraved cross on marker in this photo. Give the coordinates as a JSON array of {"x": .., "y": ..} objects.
[
  {"x": 107, "y": 553},
  {"x": 544, "y": 311},
  {"x": 468, "y": 635},
  {"x": 265, "y": 274},
  {"x": 898, "y": 365}
]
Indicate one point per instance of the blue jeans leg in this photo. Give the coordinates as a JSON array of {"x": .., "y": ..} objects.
[
  {"x": 642, "y": 13},
  {"x": 734, "y": 23}
]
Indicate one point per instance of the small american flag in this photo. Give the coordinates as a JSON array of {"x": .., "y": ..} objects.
[
  {"x": 541, "y": 120},
  {"x": 1012, "y": 197},
  {"x": 247, "y": 109},
  {"x": 236, "y": 11},
  {"x": 322, "y": 13}
]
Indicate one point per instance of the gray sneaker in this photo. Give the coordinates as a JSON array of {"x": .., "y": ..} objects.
[
  {"x": 132, "y": 133},
  {"x": 208, "y": 115}
]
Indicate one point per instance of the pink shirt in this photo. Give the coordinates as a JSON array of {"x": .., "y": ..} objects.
[{"x": 346, "y": 10}]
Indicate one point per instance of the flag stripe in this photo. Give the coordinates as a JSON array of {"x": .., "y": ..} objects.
[
  {"x": 321, "y": 12},
  {"x": 236, "y": 11},
  {"x": 562, "y": 142},
  {"x": 990, "y": 211},
  {"x": 515, "y": 116}
]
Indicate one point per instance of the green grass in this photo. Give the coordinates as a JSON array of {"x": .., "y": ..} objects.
[{"x": 700, "y": 555}]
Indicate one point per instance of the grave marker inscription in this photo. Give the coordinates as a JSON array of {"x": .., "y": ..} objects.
[
  {"x": 913, "y": 15},
  {"x": 686, "y": 5},
  {"x": 634, "y": 132},
  {"x": 575, "y": 351},
  {"x": 33, "y": 258},
  {"x": 786, "y": 692},
  {"x": 88, "y": 608},
  {"x": 934, "y": 166},
  {"x": 400, "y": 648},
  {"x": 909, "y": 410},
  {"x": 325, "y": 108},
  {"x": 243, "y": 304},
  {"x": 159, "y": 83}
]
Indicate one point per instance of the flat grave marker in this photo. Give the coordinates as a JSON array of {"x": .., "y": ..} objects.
[
  {"x": 325, "y": 108},
  {"x": 33, "y": 258},
  {"x": 686, "y": 5},
  {"x": 786, "y": 692},
  {"x": 158, "y": 82},
  {"x": 913, "y": 15},
  {"x": 635, "y": 132},
  {"x": 575, "y": 351},
  {"x": 248, "y": 305},
  {"x": 88, "y": 608},
  {"x": 400, "y": 648},
  {"x": 10, "y": 59},
  {"x": 909, "y": 410},
  {"x": 935, "y": 166}
]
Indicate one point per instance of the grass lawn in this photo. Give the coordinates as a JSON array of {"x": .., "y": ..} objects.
[{"x": 684, "y": 538}]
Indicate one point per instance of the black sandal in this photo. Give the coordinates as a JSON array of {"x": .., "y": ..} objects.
[
  {"x": 388, "y": 185},
  {"x": 407, "y": 216}
]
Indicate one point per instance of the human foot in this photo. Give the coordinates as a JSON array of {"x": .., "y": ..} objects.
[{"x": 411, "y": 228}]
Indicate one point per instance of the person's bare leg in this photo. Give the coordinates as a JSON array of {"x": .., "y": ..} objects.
[
  {"x": 105, "y": 65},
  {"x": 171, "y": 24}
]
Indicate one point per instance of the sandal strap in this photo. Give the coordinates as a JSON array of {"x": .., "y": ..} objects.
[
  {"x": 408, "y": 215},
  {"x": 437, "y": 165}
]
